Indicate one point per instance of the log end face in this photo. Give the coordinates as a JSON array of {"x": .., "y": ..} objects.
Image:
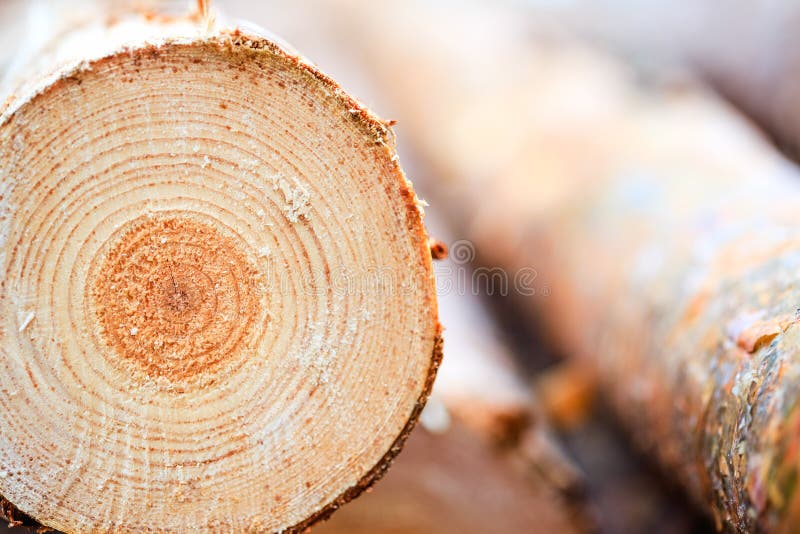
[{"x": 218, "y": 308}]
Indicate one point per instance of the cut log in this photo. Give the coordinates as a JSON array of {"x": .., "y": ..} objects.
[
  {"x": 218, "y": 308},
  {"x": 661, "y": 226}
]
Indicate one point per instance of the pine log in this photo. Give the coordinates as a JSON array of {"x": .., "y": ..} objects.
[
  {"x": 662, "y": 229},
  {"x": 218, "y": 308}
]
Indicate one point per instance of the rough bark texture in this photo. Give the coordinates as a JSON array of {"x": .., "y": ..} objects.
[
  {"x": 178, "y": 201},
  {"x": 662, "y": 227}
]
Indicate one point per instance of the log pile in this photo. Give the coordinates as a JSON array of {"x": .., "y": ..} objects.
[{"x": 219, "y": 302}]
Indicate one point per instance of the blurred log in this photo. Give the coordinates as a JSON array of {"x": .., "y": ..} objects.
[
  {"x": 478, "y": 383},
  {"x": 452, "y": 483},
  {"x": 218, "y": 304},
  {"x": 661, "y": 228},
  {"x": 749, "y": 51},
  {"x": 753, "y": 58}
]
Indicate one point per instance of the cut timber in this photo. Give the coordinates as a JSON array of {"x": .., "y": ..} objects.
[
  {"x": 663, "y": 226},
  {"x": 218, "y": 308}
]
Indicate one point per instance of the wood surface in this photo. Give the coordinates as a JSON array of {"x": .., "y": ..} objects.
[{"x": 218, "y": 308}]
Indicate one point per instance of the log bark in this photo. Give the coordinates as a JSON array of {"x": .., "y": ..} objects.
[
  {"x": 218, "y": 308},
  {"x": 662, "y": 227}
]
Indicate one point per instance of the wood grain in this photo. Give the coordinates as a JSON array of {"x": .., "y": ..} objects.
[{"x": 218, "y": 309}]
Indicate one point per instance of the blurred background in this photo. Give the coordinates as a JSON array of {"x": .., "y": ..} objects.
[{"x": 513, "y": 118}]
